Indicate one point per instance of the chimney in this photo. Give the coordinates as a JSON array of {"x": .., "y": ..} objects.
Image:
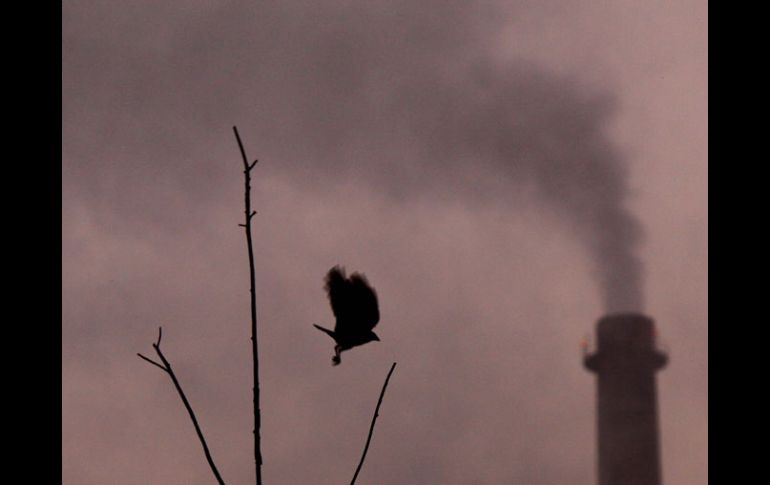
[{"x": 625, "y": 362}]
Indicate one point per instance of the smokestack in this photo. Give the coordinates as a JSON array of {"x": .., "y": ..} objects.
[{"x": 625, "y": 361}]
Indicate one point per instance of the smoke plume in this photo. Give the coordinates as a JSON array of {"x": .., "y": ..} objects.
[
  {"x": 413, "y": 104},
  {"x": 546, "y": 137},
  {"x": 411, "y": 97},
  {"x": 416, "y": 103}
]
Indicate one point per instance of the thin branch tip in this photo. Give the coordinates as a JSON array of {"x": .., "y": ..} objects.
[
  {"x": 371, "y": 428},
  {"x": 164, "y": 369}
]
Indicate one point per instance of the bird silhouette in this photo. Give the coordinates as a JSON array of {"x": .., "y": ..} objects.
[{"x": 355, "y": 308}]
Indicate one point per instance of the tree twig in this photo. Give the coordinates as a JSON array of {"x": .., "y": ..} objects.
[
  {"x": 247, "y": 167},
  {"x": 166, "y": 367},
  {"x": 371, "y": 428},
  {"x": 152, "y": 362}
]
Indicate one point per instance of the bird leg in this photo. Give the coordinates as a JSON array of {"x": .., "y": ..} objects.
[{"x": 336, "y": 359}]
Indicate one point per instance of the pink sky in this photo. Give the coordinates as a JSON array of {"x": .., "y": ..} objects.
[{"x": 383, "y": 131}]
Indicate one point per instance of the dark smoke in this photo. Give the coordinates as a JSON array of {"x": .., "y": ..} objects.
[
  {"x": 444, "y": 116},
  {"x": 544, "y": 134},
  {"x": 478, "y": 130},
  {"x": 412, "y": 99},
  {"x": 409, "y": 96}
]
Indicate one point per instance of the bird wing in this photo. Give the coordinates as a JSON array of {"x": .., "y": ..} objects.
[
  {"x": 353, "y": 302},
  {"x": 337, "y": 289},
  {"x": 365, "y": 306}
]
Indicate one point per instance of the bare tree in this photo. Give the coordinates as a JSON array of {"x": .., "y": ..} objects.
[{"x": 166, "y": 366}]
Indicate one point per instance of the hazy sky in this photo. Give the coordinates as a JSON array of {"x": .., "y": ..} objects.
[{"x": 504, "y": 173}]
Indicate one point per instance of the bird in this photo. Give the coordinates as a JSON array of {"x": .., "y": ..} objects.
[{"x": 356, "y": 311}]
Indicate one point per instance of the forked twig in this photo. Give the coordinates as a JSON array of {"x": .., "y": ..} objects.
[{"x": 166, "y": 367}]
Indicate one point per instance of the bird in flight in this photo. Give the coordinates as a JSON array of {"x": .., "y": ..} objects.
[{"x": 355, "y": 308}]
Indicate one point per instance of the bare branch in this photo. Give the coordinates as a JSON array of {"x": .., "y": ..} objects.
[
  {"x": 240, "y": 145},
  {"x": 152, "y": 362},
  {"x": 371, "y": 428},
  {"x": 167, "y": 368},
  {"x": 252, "y": 280}
]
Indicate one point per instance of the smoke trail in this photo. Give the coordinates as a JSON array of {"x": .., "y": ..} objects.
[
  {"x": 546, "y": 133},
  {"x": 426, "y": 114},
  {"x": 409, "y": 95},
  {"x": 532, "y": 130}
]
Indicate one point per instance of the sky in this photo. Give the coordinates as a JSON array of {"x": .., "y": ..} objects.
[{"x": 503, "y": 173}]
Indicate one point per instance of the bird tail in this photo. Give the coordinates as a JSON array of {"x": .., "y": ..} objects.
[{"x": 324, "y": 330}]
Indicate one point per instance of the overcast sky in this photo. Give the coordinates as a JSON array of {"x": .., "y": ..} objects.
[{"x": 504, "y": 173}]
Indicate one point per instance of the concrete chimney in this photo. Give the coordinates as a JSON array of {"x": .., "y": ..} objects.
[{"x": 625, "y": 362}]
